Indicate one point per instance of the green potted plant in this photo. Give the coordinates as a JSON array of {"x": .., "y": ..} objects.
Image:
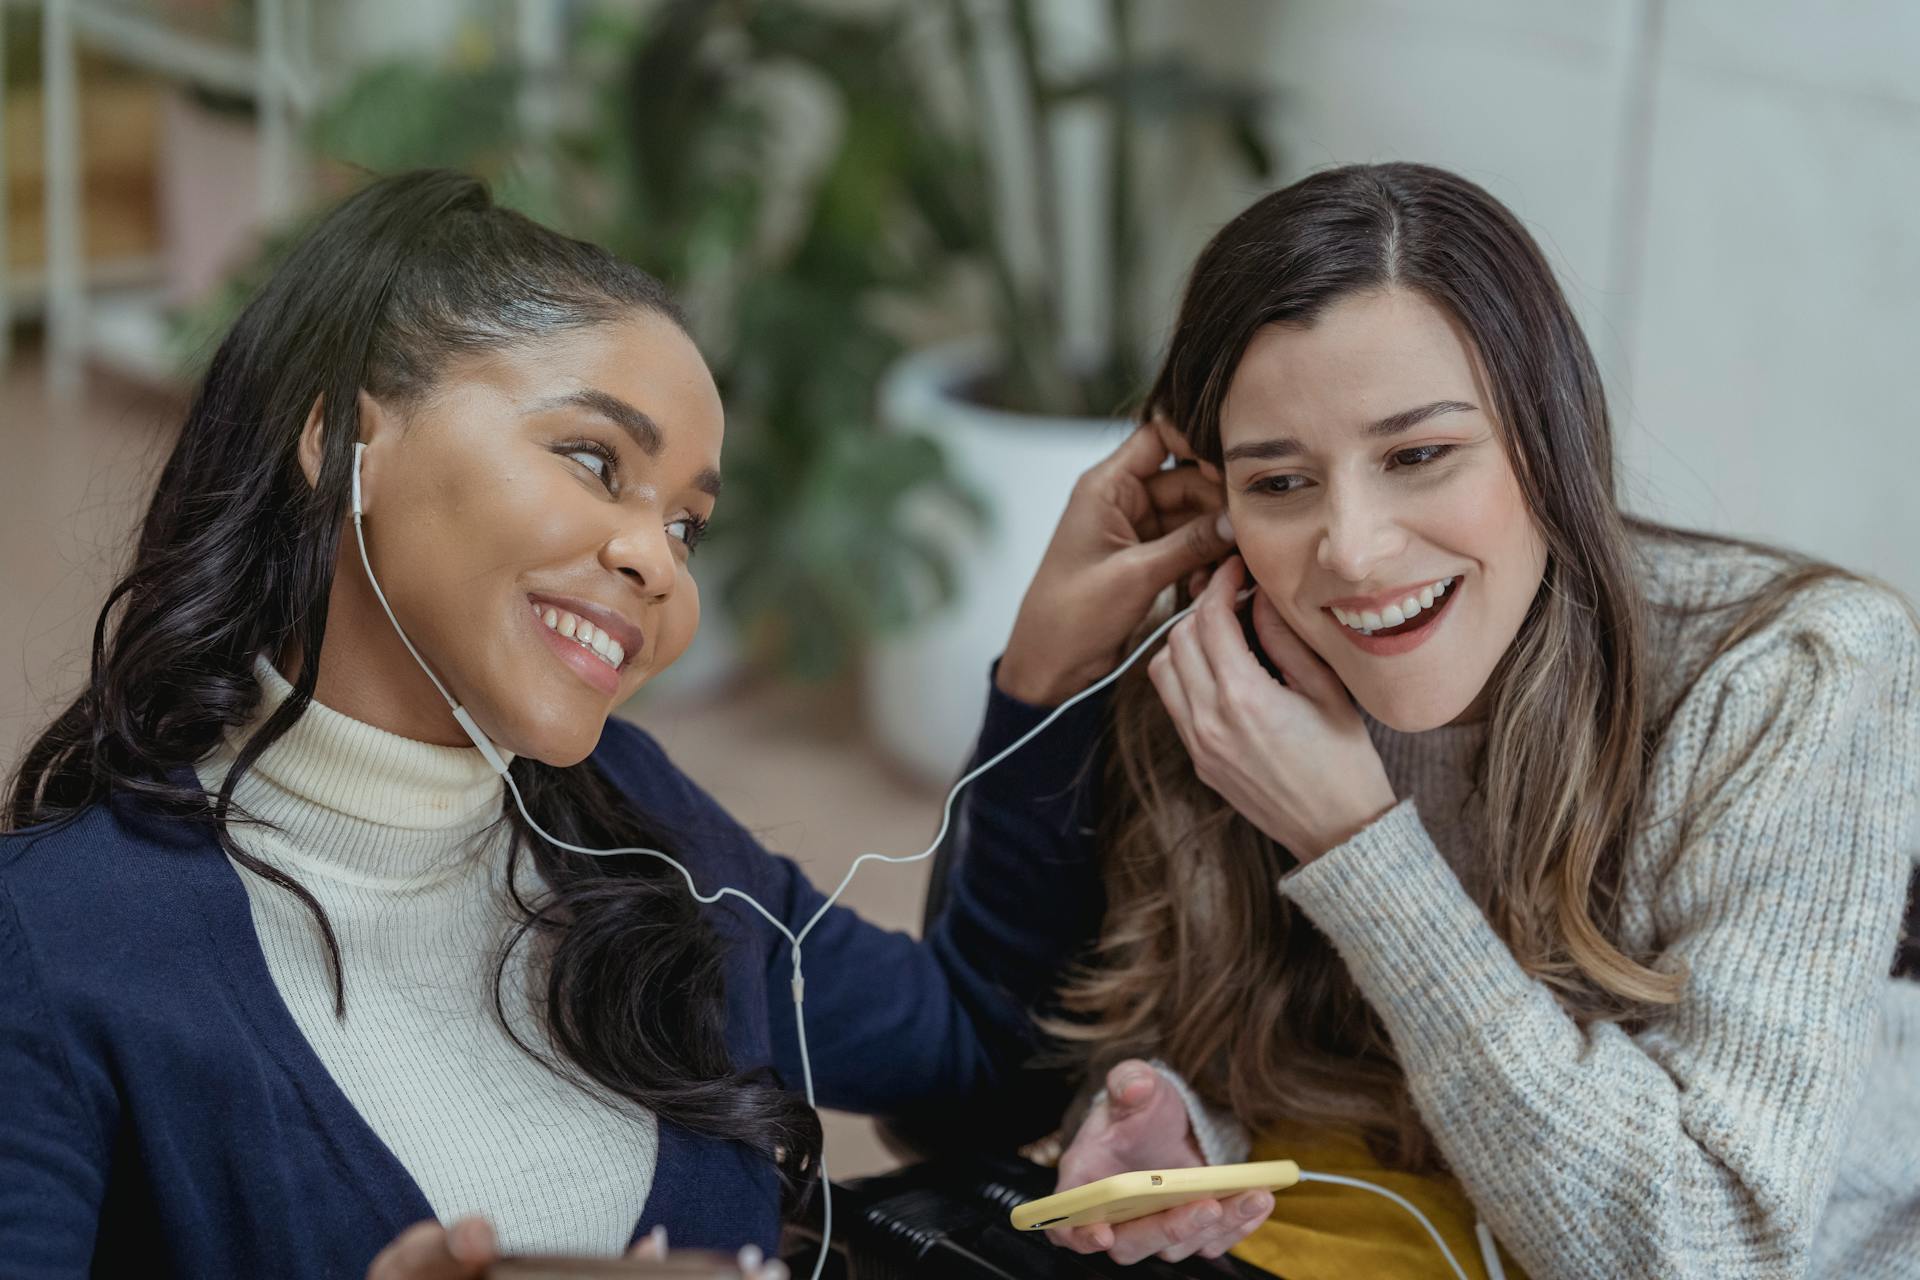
[
  {"x": 659, "y": 138},
  {"x": 661, "y": 141}
]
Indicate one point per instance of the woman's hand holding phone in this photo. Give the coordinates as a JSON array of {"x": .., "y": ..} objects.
[
  {"x": 1142, "y": 1124},
  {"x": 467, "y": 1249},
  {"x": 1132, "y": 528}
]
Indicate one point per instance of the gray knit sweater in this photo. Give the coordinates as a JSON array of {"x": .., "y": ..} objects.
[{"x": 1769, "y": 1124}]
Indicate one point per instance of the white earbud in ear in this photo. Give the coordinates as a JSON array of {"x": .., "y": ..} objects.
[{"x": 359, "y": 504}]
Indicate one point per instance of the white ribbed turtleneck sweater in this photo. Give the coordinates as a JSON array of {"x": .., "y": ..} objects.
[{"x": 398, "y": 841}]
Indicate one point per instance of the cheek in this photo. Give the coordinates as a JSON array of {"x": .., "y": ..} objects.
[
  {"x": 1477, "y": 515},
  {"x": 521, "y": 519},
  {"x": 536, "y": 513},
  {"x": 1276, "y": 560},
  {"x": 1492, "y": 522}
]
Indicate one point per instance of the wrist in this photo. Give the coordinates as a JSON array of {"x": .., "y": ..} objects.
[
  {"x": 1036, "y": 684},
  {"x": 1377, "y": 809}
]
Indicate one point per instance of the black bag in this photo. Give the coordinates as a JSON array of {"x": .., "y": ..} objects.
[{"x": 947, "y": 1220}]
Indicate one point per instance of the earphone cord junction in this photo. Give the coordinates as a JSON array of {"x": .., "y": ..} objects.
[{"x": 796, "y": 939}]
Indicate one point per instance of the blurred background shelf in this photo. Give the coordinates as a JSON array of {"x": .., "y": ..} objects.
[{"x": 111, "y": 77}]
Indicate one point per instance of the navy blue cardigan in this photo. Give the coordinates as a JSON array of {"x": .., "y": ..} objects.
[{"x": 161, "y": 1113}]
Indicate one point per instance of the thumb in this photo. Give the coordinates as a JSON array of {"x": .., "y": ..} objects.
[
  {"x": 1305, "y": 671},
  {"x": 1196, "y": 544},
  {"x": 1132, "y": 1088},
  {"x": 470, "y": 1241},
  {"x": 1147, "y": 1123}
]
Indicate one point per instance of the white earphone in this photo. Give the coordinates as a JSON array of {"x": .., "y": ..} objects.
[{"x": 493, "y": 758}]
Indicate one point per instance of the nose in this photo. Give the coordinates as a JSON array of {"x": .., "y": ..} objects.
[
  {"x": 1359, "y": 536},
  {"x": 641, "y": 551}
]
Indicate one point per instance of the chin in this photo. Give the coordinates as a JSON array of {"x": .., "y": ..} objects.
[
  {"x": 554, "y": 735},
  {"x": 564, "y": 753},
  {"x": 1415, "y": 715}
]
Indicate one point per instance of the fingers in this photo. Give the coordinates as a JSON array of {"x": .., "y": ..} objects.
[
  {"x": 1097, "y": 1238},
  {"x": 412, "y": 1253},
  {"x": 754, "y": 1264},
  {"x": 1198, "y": 679},
  {"x": 1175, "y": 442},
  {"x": 1239, "y": 1218},
  {"x": 1166, "y": 683},
  {"x": 1140, "y": 455},
  {"x": 428, "y": 1251},
  {"x": 1205, "y": 1227},
  {"x": 1164, "y": 1231},
  {"x": 1168, "y": 499},
  {"x": 1216, "y": 627},
  {"x": 1183, "y": 491},
  {"x": 1195, "y": 544},
  {"x": 471, "y": 1242},
  {"x": 757, "y": 1266},
  {"x": 1151, "y": 495},
  {"x": 1305, "y": 671}
]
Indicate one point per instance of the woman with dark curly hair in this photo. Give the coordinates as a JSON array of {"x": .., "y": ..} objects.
[{"x": 288, "y": 980}]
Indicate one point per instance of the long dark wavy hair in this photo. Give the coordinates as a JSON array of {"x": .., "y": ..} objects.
[{"x": 236, "y": 557}]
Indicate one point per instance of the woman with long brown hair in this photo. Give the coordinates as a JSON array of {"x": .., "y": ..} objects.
[{"x": 1540, "y": 864}]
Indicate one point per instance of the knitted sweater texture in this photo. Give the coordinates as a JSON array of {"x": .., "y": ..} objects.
[
  {"x": 402, "y": 844},
  {"x": 1768, "y": 1124}
]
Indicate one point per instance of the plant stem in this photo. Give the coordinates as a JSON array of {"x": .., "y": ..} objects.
[
  {"x": 1022, "y": 331},
  {"x": 1046, "y": 364},
  {"x": 1114, "y": 379}
]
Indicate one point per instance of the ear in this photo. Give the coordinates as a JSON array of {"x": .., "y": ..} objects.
[
  {"x": 372, "y": 421},
  {"x": 312, "y": 437}
]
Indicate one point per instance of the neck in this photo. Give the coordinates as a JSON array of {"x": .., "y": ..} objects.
[
  {"x": 355, "y": 799},
  {"x": 368, "y": 673}
]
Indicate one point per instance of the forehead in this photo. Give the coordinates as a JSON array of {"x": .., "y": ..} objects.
[
  {"x": 646, "y": 361},
  {"x": 1368, "y": 356}
]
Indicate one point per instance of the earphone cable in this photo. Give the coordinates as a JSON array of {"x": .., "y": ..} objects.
[{"x": 798, "y": 983}]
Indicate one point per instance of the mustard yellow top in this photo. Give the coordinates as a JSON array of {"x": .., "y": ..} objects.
[{"x": 1325, "y": 1232}]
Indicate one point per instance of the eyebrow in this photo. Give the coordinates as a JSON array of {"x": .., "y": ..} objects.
[
  {"x": 644, "y": 430},
  {"x": 1393, "y": 424}
]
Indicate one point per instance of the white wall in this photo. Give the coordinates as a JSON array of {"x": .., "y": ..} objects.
[{"x": 1729, "y": 191}]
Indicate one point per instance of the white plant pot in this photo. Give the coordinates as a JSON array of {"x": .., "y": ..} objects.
[{"x": 926, "y": 687}]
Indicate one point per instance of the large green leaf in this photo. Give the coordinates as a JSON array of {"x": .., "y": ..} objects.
[{"x": 406, "y": 115}]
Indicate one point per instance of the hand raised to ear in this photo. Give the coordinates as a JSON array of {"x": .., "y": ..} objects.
[
  {"x": 1130, "y": 530},
  {"x": 1294, "y": 759}
]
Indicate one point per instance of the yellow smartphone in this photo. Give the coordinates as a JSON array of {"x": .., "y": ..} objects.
[{"x": 1126, "y": 1196}]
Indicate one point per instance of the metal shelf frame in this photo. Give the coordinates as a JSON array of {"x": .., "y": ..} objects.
[{"x": 276, "y": 72}]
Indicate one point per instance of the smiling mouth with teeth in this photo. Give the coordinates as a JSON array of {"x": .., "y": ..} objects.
[
  {"x": 583, "y": 633},
  {"x": 1367, "y": 622}
]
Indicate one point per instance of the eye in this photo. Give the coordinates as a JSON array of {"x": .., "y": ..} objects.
[
  {"x": 690, "y": 529},
  {"x": 1423, "y": 456},
  {"x": 1277, "y": 486},
  {"x": 596, "y": 458}
]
